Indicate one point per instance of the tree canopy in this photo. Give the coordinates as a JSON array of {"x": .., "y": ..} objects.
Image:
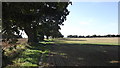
[{"x": 35, "y": 18}]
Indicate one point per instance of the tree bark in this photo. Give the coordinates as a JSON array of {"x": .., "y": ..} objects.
[
  {"x": 41, "y": 38},
  {"x": 47, "y": 37},
  {"x": 32, "y": 35},
  {"x": 35, "y": 35}
]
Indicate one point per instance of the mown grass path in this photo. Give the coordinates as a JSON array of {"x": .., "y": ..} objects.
[{"x": 82, "y": 55}]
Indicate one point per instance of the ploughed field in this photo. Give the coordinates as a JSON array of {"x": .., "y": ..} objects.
[{"x": 83, "y": 52}]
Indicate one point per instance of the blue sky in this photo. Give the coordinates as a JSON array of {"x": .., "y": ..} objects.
[{"x": 88, "y": 18}]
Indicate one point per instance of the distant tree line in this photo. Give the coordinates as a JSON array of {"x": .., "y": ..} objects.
[{"x": 88, "y": 36}]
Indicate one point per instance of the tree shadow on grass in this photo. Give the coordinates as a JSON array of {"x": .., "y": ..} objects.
[
  {"x": 33, "y": 58},
  {"x": 37, "y": 46},
  {"x": 84, "y": 55}
]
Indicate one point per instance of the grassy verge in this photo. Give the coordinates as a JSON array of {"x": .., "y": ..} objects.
[
  {"x": 9, "y": 53},
  {"x": 31, "y": 56},
  {"x": 26, "y": 55}
]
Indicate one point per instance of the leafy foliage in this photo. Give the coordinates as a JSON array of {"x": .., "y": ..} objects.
[{"x": 35, "y": 18}]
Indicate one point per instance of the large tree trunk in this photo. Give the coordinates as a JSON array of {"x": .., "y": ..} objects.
[
  {"x": 32, "y": 36},
  {"x": 35, "y": 35},
  {"x": 47, "y": 37},
  {"x": 41, "y": 38}
]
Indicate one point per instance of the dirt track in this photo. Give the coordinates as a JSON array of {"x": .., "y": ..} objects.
[{"x": 83, "y": 55}]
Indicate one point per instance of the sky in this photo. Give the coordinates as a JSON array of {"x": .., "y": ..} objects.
[{"x": 89, "y": 18}]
